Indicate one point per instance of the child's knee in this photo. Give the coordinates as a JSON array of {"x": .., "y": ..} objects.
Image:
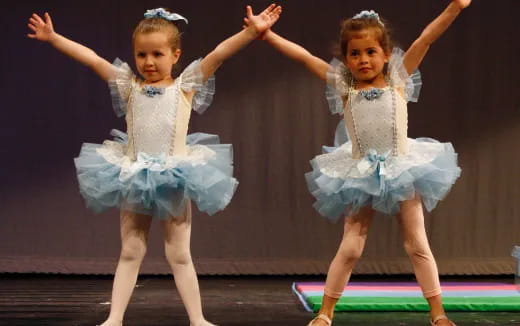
[
  {"x": 417, "y": 251},
  {"x": 133, "y": 250},
  {"x": 177, "y": 257},
  {"x": 351, "y": 251}
]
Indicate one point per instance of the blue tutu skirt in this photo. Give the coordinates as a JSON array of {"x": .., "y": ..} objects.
[
  {"x": 157, "y": 186},
  {"x": 342, "y": 185}
]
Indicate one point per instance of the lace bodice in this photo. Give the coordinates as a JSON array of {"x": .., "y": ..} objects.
[
  {"x": 157, "y": 122},
  {"x": 379, "y": 124},
  {"x": 376, "y": 119}
]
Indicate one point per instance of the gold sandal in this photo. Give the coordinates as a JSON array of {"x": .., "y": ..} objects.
[
  {"x": 322, "y": 317},
  {"x": 441, "y": 317}
]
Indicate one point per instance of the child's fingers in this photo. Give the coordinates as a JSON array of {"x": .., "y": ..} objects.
[
  {"x": 32, "y": 27},
  {"x": 246, "y": 21},
  {"x": 48, "y": 19},
  {"x": 31, "y": 36},
  {"x": 34, "y": 21},
  {"x": 249, "y": 11},
  {"x": 275, "y": 12},
  {"x": 35, "y": 16},
  {"x": 268, "y": 9}
]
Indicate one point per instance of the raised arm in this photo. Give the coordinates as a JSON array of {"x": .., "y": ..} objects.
[
  {"x": 44, "y": 31},
  {"x": 296, "y": 52},
  {"x": 415, "y": 54},
  {"x": 258, "y": 25}
]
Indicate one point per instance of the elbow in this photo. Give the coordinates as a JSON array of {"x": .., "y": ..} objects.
[{"x": 94, "y": 62}]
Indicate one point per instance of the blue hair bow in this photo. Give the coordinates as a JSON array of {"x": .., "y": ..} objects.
[
  {"x": 368, "y": 14},
  {"x": 163, "y": 13}
]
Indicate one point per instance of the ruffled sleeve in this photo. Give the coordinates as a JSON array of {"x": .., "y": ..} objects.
[
  {"x": 399, "y": 77},
  {"x": 192, "y": 80},
  {"x": 121, "y": 85},
  {"x": 338, "y": 84}
]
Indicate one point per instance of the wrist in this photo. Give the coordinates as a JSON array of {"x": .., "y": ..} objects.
[
  {"x": 52, "y": 37},
  {"x": 268, "y": 35},
  {"x": 456, "y": 7},
  {"x": 251, "y": 32}
]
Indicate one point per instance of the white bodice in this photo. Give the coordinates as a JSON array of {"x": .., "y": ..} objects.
[
  {"x": 379, "y": 124},
  {"x": 158, "y": 125},
  {"x": 376, "y": 119},
  {"x": 157, "y": 120}
]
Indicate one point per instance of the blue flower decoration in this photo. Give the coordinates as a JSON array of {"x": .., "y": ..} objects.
[
  {"x": 151, "y": 91},
  {"x": 372, "y": 93}
]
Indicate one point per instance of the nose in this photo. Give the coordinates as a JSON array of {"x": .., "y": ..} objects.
[
  {"x": 148, "y": 60},
  {"x": 363, "y": 58}
]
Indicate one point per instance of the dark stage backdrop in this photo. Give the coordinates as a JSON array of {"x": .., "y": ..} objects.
[{"x": 274, "y": 113}]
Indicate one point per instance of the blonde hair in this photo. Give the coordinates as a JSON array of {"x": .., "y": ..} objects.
[{"x": 156, "y": 24}]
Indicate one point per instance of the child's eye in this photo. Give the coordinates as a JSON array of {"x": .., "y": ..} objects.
[
  {"x": 354, "y": 53},
  {"x": 157, "y": 54},
  {"x": 140, "y": 55},
  {"x": 371, "y": 51}
]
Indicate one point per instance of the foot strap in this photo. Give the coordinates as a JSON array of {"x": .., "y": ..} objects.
[
  {"x": 323, "y": 317},
  {"x": 441, "y": 317}
]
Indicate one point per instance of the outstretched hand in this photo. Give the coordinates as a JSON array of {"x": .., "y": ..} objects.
[
  {"x": 43, "y": 30},
  {"x": 263, "y": 21},
  {"x": 462, "y": 3}
]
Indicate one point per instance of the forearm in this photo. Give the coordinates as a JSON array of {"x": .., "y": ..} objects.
[
  {"x": 290, "y": 49},
  {"x": 440, "y": 24},
  {"x": 431, "y": 33},
  {"x": 298, "y": 53},
  {"x": 225, "y": 50},
  {"x": 81, "y": 54}
]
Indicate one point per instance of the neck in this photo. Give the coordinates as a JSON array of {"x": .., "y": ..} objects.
[
  {"x": 378, "y": 82},
  {"x": 161, "y": 82}
]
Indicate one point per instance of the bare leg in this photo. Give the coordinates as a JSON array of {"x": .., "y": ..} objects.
[
  {"x": 411, "y": 220},
  {"x": 350, "y": 250},
  {"x": 177, "y": 233},
  {"x": 134, "y": 234}
]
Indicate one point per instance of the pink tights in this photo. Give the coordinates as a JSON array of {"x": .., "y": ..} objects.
[{"x": 411, "y": 221}]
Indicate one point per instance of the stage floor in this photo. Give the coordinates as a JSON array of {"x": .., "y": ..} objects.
[{"x": 57, "y": 300}]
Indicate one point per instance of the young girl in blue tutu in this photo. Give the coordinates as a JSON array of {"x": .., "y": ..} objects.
[
  {"x": 156, "y": 169},
  {"x": 379, "y": 169}
]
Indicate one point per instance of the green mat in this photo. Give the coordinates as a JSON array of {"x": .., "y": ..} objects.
[{"x": 393, "y": 296}]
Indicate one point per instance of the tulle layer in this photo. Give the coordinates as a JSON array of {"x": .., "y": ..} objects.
[
  {"x": 157, "y": 186},
  {"x": 342, "y": 185}
]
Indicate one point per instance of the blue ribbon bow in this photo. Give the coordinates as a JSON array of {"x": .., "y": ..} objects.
[
  {"x": 163, "y": 13},
  {"x": 377, "y": 162},
  {"x": 370, "y": 14}
]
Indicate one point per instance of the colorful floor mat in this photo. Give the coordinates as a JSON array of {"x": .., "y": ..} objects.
[{"x": 407, "y": 296}]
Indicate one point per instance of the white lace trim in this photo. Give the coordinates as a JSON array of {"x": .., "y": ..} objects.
[
  {"x": 340, "y": 164},
  {"x": 114, "y": 153}
]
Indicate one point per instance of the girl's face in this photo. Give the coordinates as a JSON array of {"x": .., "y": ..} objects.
[
  {"x": 154, "y": 56},
  {"x": 366, "y": 58}
]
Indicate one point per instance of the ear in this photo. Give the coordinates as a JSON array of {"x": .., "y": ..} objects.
[
  {"x": 387, "y": 56},
  {"x": 176, "y": 55}
]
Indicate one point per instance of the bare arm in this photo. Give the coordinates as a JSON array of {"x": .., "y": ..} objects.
[
  {"x": 415, "y": 54},
  {"x": 258, "y": 25},
  {"x": 296, "y": 52},
  {"x": 44, "y": 31}
]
